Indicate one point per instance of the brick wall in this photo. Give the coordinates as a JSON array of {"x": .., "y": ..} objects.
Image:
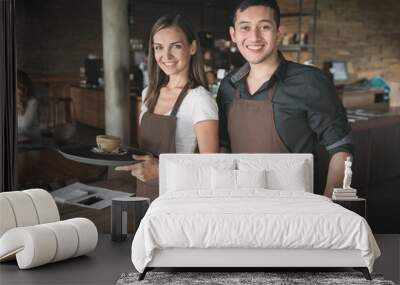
[
  {"x": 54, "y": 37},
  {"x": 365, "y": 33}
]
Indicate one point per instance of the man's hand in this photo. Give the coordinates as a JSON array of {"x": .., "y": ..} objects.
[
  {"x": 144, "y": 171},
  {"x": 335, "y": 172}
]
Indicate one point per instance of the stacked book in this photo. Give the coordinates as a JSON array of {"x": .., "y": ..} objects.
[{"x": 344, "y": 194}]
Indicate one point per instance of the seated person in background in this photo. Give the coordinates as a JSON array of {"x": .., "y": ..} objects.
[
  {"x": 27, "y": 110},
  {"x": 178, "y": 112}
]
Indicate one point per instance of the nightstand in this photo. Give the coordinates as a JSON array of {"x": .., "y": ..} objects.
[{"x": 357, "y": 205}]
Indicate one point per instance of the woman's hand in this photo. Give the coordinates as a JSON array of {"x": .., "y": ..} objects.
[{"x": 144, "y": 171}]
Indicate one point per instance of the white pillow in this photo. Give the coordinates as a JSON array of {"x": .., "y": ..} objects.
[
  {"x": 223, "y": 179},
  {"x": 182, "y": 177},
  {"x": 188, "y": 174},
  {"x": 227, "y": 179},
  {"x": 281, "y": 174},
  {"x": 293, "y": 180},
  {"x": 251, "y": 178}
]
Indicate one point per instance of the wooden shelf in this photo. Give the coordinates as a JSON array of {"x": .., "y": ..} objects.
[{"x": 306, "y": 24}]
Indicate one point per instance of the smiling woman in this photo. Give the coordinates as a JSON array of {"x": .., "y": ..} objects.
[
  {"x": 173, "y": 40},
  {"x": 178, "y": 113},
  {"x": 177, "y": 88}
]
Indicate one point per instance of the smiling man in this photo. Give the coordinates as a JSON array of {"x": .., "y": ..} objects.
[{"x": 271, "y": 105}]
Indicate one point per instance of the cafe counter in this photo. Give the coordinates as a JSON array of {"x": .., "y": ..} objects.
[{"x": 376, "y": 165}]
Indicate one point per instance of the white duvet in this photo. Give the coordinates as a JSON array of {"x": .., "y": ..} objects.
[{"x": 250, "y": 219}]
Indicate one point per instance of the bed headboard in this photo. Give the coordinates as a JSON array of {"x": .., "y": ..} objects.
[{"x": 241, "y": 161}]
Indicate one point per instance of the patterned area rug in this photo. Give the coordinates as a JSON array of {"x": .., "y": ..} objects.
[{"x": 243, "y": 278}]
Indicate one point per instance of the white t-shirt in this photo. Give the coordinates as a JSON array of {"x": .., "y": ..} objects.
[
  {"x": 198, "y": 105},
  {"x": 28, "y": 123}
]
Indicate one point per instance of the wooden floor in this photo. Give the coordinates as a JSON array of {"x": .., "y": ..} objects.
[
  {"x": 43, "y": 167},
  {"x": 40, "y": 165},
  {"x": 46, "y": 168}
]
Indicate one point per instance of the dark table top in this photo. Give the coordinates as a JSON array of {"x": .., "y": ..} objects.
[
  {"x": 85, "y": 154},
  {"x": 373, "y": 116}
]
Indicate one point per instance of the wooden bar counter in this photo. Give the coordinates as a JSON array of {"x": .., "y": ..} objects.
[
  {"x": 376, "y": 166},
  {"x": 88, "y": 105}
]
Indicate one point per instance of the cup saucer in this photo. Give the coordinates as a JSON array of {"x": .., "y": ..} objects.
[{"x": 118, "y": 151}]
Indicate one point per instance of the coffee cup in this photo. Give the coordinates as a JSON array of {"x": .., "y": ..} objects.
[{"x": 108, "y": 143}]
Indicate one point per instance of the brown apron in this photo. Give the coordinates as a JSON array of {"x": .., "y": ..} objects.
[
  {"x": 251, "y": 126},
  {"x": 157, "y": 135}
]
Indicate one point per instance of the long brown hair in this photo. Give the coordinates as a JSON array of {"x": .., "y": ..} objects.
[{"x": 157, "y": 78}]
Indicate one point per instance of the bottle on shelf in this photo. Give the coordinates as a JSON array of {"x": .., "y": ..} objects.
[
  {"x": 221, "y": 73},
  {"x": 82, "y": 76}
]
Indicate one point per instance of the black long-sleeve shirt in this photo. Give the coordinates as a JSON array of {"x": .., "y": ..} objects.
[{"x": 306, "y": 108}]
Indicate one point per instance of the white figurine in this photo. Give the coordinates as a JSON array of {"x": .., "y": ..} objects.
[{"x": 347, "y": 174}]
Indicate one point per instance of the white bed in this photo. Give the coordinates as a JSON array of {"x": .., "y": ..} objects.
[{"x": 201, "y": 219}]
